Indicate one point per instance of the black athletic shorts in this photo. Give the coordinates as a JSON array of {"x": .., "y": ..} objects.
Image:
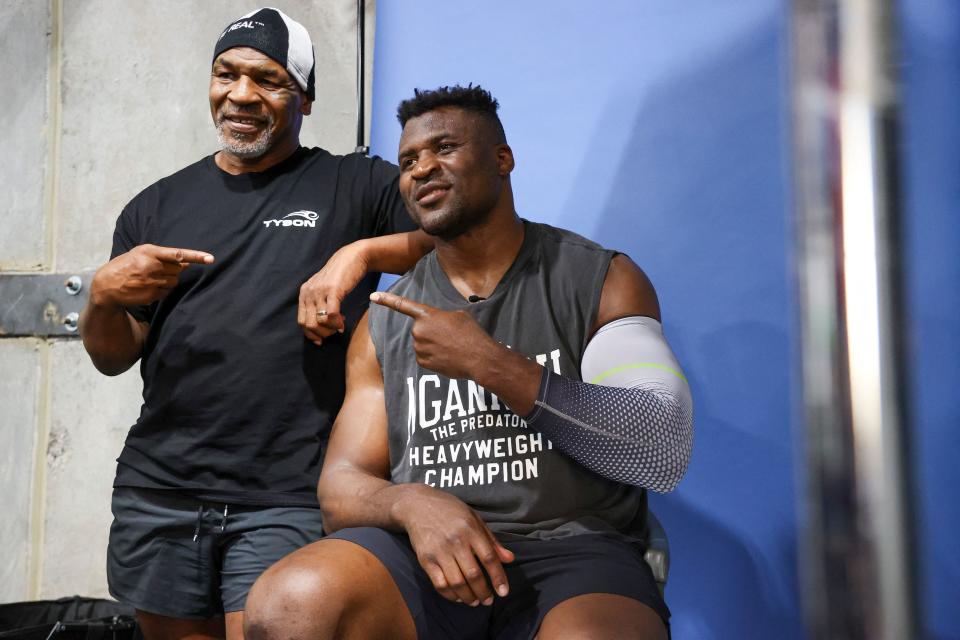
[
  {"x": 176, "y": 555},
  {"x": 544, "y": 574}
]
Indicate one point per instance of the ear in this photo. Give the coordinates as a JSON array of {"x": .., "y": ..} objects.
[
  {"x": 505, "y": 161},
  {"x": 306, "y": 106}
]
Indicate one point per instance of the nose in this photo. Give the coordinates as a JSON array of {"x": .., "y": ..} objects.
[
  {"x": 243, "y": 90},
  {"x": 426, "y": 165}
]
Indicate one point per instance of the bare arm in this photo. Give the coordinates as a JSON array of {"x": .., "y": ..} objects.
[
  {"x": 354, "y": 489},
  {"x": 112, "y": 337},
  {"x": 396, "y": 253},
  {"x": 448, "y": 537},
  {"x": 326, "y": 289}
]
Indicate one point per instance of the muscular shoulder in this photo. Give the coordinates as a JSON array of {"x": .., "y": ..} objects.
[{"x": 627, "y": 291}]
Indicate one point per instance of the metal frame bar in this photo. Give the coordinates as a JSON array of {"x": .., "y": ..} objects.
[
  {"x": 859, "y": 566},
  {"x": 361, "y": 85}
]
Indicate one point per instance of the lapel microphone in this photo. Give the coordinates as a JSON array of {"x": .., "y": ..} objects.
[{"x": 474, "y": 298}]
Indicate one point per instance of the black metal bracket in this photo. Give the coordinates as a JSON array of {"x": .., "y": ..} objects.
[
  {"x": 42, "y": 305},
  {"x": 361, "y": 93}
]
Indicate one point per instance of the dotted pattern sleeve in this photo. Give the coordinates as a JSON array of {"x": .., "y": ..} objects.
[{"x": 640, "y": 435}]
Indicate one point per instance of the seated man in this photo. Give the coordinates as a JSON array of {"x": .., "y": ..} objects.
[{"x": 507, "y": 405}]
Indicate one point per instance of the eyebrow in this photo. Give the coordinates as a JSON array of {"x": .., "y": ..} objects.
[
  {"x": 432, "y": 140},
  {"x": 262, "y": 68}
]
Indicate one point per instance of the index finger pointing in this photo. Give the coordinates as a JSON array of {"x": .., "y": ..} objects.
[
  {"x": 172, "y": 254},
  {"x": 405, "y": 306}
]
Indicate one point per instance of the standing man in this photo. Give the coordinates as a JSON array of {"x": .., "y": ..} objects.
[
  {"x": 507, "y": 405},
  {"x": 217, "y": 479}
]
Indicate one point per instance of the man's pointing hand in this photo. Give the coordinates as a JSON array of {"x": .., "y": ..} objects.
[
  {"x": 453, "y": 344},
  {"x": 142, "y": 275},
  {"x": 448, "y": 342}
]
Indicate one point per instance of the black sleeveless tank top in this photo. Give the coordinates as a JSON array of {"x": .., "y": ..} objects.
[{"x": 459, "y": 437}]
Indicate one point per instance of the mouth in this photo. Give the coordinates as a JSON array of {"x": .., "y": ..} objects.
[
  {"x": 240, "y": 123},
  {"x": 430, "y": 193}
]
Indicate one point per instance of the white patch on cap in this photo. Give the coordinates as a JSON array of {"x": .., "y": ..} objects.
[{"x": 299, "y": 51}]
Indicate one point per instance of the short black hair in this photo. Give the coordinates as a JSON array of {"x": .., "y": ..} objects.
[{"x": 471, "y": 98}]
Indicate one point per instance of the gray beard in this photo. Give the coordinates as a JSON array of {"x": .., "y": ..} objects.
[{"x": 246, "y": 148}]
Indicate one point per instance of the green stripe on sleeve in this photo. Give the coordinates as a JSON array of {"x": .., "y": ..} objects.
[{"x": 636, "y": 365}]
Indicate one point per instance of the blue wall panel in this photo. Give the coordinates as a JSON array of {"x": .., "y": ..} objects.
[
  {"x": 662, "y": 130},
  {"x": 931, "y": 89}
]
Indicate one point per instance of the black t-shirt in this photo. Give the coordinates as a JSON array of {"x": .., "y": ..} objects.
[{"x": 237, "y": 403}]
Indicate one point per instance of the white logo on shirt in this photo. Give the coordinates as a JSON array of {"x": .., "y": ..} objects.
[{"x": 300, "y": 219}]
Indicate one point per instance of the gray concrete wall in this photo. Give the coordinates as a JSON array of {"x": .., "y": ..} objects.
[
  {"x": 107, "y": 96},
  {"x": 20, "y": 399},
  {"x": 25, "y": 46}
]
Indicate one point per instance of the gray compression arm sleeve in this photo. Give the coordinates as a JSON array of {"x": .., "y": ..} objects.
[{"x": 632, "y": 421}]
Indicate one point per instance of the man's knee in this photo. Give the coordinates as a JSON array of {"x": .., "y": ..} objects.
[
  {"x": 303, "y": 595},
  {"x": 601, "y": 616}
]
